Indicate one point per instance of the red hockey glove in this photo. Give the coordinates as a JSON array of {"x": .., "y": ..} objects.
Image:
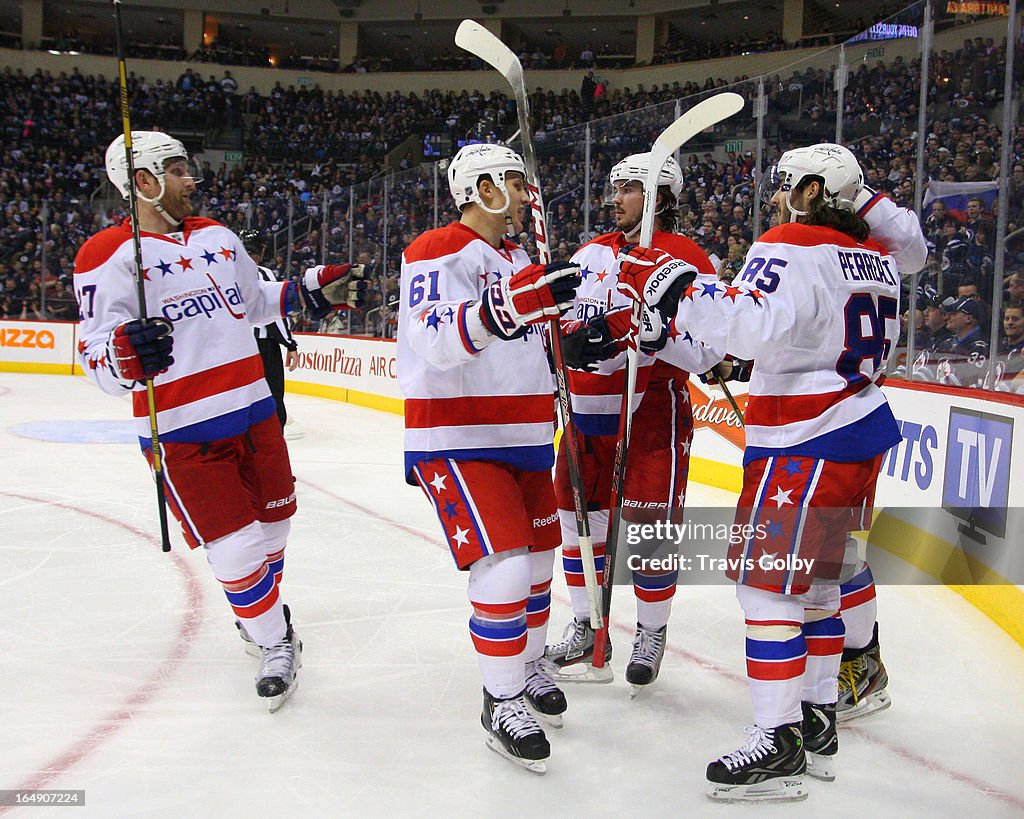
[
  {"x": 654, "y": 279},
  {"x": 636, "y": 264},
  {"x": 535, "y": 294}
]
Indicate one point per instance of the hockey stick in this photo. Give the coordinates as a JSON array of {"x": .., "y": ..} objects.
[
  {"x": 477, "y": 40},
  {"x": 133, "y": 205},
  {"x": 728, "y": 397},
  {"x": 702, "y": 116}
]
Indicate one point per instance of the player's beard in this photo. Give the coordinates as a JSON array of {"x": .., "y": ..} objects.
[
  {"x": 178, "y": 206},
  {"x": 782, "y": 211},
  {"x": 626, "y": 223}
]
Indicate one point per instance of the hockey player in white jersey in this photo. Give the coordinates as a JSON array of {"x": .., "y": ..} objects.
[
  {"x": 227, "y": 476},
  {"x": 659, "y": 454},
  {"x": 816, "y": 305},
  {"x": 479, "y": 415}
]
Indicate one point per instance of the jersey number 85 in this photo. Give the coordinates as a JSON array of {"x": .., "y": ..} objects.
[{"x": 867, "y": 335}]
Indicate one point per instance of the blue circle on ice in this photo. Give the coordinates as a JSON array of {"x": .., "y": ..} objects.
[{"x": 79, "y": 432}]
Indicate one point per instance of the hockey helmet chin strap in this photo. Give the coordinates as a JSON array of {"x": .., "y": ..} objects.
[
  {"x": 794, "y": 213},
  {"x": 510, "y": 231},
  {"x": 496, "y": 211},
  {"x": 159, "y": 208}
]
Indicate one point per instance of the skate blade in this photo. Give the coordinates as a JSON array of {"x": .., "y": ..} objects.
[
  {"x": 871, "y": 704},
  {"x": 537, "y": 766},
  {"x": 583, "y": 673},
  {"x": 783, "y": 789},
  {"x": 821, "y": 766},
  {"x": 274, "y": 703},
  {"x": 551, "y": 720},
  {"x": 635, "y": 690}
]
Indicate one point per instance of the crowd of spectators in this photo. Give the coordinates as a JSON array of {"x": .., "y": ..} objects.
[
  {"x": 307, "y": 149},
  {"x": 560, "y": 57},
  {"x": 685, "y": 50}
]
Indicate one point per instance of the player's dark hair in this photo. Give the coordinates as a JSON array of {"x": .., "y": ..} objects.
[
  {"x": 668, "y": 216},
  {"x": 824, "y": 215}
]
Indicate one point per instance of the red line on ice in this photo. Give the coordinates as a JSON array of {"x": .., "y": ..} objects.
[
  {"x": 117, "y": 719},
  {"x": 904, "y": 753}
]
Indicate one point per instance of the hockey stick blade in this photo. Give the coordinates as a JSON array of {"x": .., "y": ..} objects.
[
  {"x": 477, "y": 40},
  {"x": 699, "y": 118}
]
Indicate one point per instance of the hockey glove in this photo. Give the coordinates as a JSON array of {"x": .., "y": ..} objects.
[
  {"x": 333, "y": 287},
  {"x": 606, "y": 336},
  {"x": 584, "y": 346},
  {"x": 535, "y": 294},
  {"x": 140, "y": 348},
  {"x": 729, "y": 369},
  {"x": 655, "y": 279}
]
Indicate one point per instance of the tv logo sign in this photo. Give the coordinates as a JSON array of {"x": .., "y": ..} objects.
[{"x": 977, "y": 475}]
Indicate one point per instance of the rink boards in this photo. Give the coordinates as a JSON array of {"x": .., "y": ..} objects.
[{"x": 943, "y": 502}]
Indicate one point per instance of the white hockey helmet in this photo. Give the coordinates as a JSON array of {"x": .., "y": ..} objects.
[
  {"x": 833, "y": 165},
  {"x": 635, "y": 166},
  {"x": 474, "y": 161},
  {"x": 150, "y": 151}
]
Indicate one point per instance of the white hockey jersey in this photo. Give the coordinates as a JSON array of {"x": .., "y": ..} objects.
[
  {"x": 818, "y": 311},
  {"x": 597, "y": 396},
  {"x": 205, "y": 284},
  {"x": 463, "y": 402}
]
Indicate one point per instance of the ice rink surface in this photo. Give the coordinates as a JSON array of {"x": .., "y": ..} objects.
[{"x": 122, "y": 673}]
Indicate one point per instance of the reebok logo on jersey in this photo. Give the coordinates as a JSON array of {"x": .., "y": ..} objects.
[
  {"x": 550, "y": 519},
  {"x": 205, "y": 302}
]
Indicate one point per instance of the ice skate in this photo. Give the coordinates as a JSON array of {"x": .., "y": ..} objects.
[
  {"x": 821, "y": 742},
  {"x": 573, "y": 654},
  {"x": 769, "y": 767},
  {"x": 277, "y": 677},
  {"x": 862, "y": 682},
  {"x": 645, "y": 661},
  {"x": 543, "y": 696},
  {"x": 513, "y": 732},
  {"x": 251, "y": 648}
]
